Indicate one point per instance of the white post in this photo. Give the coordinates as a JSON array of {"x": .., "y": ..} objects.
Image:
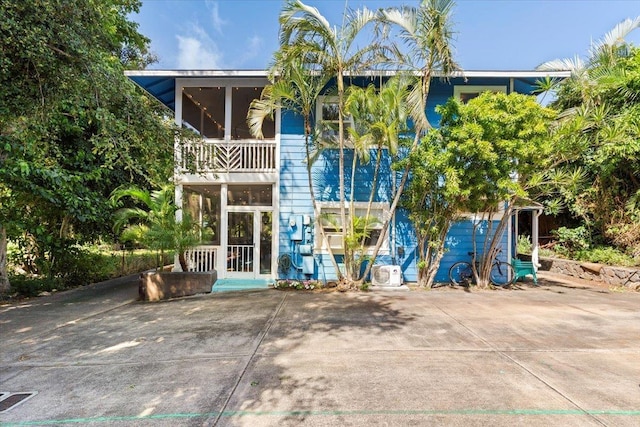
[
  {"x": 535, "y": 214},
  {"x": 178, "y": 201}
]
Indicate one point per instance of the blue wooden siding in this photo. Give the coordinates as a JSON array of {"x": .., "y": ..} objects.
[{"x": 295, "y": 198}]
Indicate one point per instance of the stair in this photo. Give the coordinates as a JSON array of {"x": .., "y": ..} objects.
[{"x": 223, "y": 285}]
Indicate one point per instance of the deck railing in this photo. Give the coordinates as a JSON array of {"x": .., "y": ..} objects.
[
  {"x": 228, "y": 156},
  {"x": 202, "y": 258}
]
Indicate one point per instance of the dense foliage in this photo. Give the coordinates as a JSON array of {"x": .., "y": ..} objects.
[
  {"x": 598, "y": 138},
  {"x": 72, "y": 126},
  {"x": 485, "y": 156}
]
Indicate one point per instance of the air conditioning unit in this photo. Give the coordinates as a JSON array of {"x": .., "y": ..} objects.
[{"x": 386, "y": 275}]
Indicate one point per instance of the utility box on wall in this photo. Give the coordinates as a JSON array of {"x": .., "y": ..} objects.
[{"x": 295, "y": 228}]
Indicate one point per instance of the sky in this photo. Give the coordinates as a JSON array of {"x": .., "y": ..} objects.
[{"x": 490, "y": 34}]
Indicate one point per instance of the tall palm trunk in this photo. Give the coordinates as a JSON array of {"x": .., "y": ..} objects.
[
  {"x": 4, "y": 276},
  {"x": 314, "y": 202}
]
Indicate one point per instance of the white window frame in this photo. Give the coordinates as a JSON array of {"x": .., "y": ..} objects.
[
  {"x": 378, "y": 209},
  {"x": 460, "y": 90},
  {"x": 326, "y": 99}
]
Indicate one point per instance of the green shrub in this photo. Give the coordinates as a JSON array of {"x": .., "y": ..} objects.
[
  {"x": 572, "y": 240},
  {"x": 606, "y": 255},
  {"x": 523, "y": 244}
]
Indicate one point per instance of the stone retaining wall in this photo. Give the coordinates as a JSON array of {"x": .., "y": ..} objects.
[{"x": 613, "y": 276}]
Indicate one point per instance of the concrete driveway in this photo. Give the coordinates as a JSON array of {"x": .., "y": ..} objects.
[{"x": 559, "y": 354}]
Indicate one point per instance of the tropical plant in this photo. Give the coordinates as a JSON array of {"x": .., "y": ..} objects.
[
  {"x": 72, "y": 125},
  {"x": 330, "y": 52},
  {"x": 155, "y": 224},
  {"x": 296, "y": 90},
  {"x": 427, "y": 34},
  {"x": 598, "y": 133},
  {"x": 379, "y": 123},
  {"x": 493, "y": 152}
]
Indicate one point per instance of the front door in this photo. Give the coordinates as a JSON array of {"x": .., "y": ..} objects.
[{"x": 249, "y": 243}]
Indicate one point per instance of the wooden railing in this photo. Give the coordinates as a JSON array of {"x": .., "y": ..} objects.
[
  {"x": 202, "y": 258},
  {"x": 228, "y": 156}
]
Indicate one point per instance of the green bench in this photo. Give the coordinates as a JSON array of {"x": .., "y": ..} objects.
[{"x": 524, "y": 268}]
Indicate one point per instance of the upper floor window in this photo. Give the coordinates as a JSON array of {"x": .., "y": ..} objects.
[
  {"x": 220, "y": 112},
  {"x": 466, "y": 93},
  {"x": 328, "y": 118}
]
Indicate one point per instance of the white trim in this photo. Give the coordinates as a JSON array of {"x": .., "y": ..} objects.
[{"x": 198, "y": 74}]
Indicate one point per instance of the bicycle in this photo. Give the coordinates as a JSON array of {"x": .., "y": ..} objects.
[{"x": 502, "y": 273}]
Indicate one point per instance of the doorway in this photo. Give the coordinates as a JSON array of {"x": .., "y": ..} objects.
[{"x": 249, "y": 243}]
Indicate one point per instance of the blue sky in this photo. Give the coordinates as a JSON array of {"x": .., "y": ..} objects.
[{"x": 491, "y": 34}]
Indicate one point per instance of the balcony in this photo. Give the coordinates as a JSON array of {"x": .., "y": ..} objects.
[{"x": 215, "y": 156}]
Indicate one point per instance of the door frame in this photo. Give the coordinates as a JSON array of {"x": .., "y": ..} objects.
[{"x": 257, "y": 228}]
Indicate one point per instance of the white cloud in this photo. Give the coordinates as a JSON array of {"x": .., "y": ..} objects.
[
  {"x": 198, "y": 51},
  {"x": 253, "y": 48},
  {"x": 216, "y": 20}
]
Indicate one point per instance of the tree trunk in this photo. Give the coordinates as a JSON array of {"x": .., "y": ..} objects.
[{"x": 4, "y": 276}]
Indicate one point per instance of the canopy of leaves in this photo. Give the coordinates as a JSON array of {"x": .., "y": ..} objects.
[
  {"x": 598, "y": 133},
  {"x": 72, "y": 126}
]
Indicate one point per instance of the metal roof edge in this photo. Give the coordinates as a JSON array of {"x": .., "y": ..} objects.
[{"x": 264, "y": 73}]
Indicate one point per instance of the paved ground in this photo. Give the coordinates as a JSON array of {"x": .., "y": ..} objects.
[{"x": 560, "y": 354}]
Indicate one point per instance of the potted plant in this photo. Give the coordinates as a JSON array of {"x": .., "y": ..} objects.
[{"x": 154, "y": 224}]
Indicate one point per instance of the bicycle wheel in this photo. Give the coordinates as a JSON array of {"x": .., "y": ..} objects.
[
  {"x": 461, "y": 273},
  {"x": 502, "y": 274}
]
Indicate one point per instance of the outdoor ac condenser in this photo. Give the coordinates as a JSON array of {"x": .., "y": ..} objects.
[{"x": 386, "y": 275}]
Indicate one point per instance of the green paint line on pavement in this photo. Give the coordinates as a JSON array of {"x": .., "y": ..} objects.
[{"x": 486, "y": 412}]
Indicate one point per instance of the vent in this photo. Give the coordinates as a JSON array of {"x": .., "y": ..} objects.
[
  {"x": 386, "y": 275},
  {"x": 11, "y": 400}
]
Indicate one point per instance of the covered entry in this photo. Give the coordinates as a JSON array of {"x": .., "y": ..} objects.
[{"x": 237, "y": 229}]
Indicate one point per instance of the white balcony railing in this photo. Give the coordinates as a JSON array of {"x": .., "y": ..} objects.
[
  {"x": 228, "y": 156},
  {"x": 202, "y": 258}
]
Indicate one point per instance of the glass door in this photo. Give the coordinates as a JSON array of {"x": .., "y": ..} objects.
[
  {"x": 266, "y": 242},
  {"x": 241, "y": 244}
]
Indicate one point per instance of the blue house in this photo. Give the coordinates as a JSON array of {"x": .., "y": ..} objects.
[{"x": 252, "y": 196}]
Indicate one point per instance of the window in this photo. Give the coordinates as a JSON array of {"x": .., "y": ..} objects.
[
  {"x": 241, "y": 99},
  {"x": 327, "y": 112},
  {"x": 203, "y": 204},
  {"x": 330, "y": 221},
  {"x": 249, "y": 195},
  {"x": 466, "y": 93}
]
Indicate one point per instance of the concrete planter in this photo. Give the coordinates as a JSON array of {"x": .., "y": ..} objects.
[{"x": 155, "y": 286}]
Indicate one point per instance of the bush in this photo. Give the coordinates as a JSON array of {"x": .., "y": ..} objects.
[
  {"x": 523, "y": 244},
  {"x": 572, "y": 240},
  {"x": 606, "y": 255}
]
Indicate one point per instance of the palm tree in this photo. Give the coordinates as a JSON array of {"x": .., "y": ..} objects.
[
  {"x": 379, "y": 119},
  {"x": 295, "y": 89},
  {"x": 426, "y": 31},
  {"x": 155, "y": 225},
  {"x": 331, "y": 52}
]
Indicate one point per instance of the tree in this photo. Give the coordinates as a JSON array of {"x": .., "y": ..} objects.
[
  {"x": 72, "y": 126},
  {"x": 154, "y": 224},
  {"x": 426, "y": 31},
  {"x": 597, "y": 133},
  {"x": 494, "y": 150},
  {"x": 379, "y": 119},
  {"x": 294, "y": 89},
  {"x": 332, "y": 53}
]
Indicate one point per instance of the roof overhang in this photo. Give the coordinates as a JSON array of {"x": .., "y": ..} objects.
[{"x": 161, "y": 84}]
